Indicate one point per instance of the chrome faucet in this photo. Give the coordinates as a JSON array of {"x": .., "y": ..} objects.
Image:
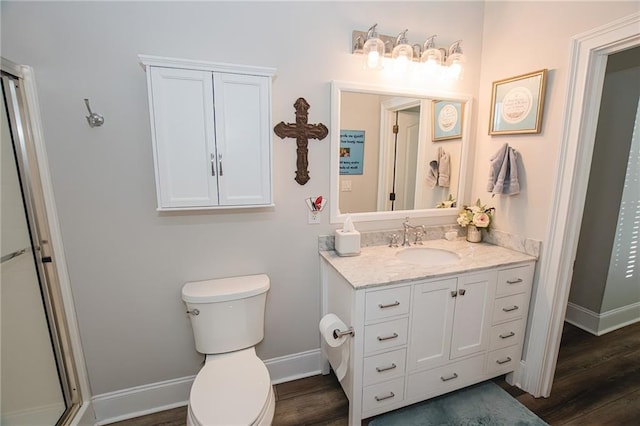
[{"x": 406, "y": 230}]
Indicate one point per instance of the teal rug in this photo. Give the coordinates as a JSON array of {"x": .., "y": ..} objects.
[{"x": 485, "y": 404}]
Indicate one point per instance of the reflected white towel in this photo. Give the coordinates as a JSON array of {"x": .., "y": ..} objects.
[
  {"x": 444, "y": 168},
  {"x": 432, "y": 174}
]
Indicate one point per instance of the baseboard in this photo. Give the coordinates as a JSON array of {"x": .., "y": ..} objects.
[
  {"x": 599, "y": 324},
  {"x": 141, "y": 400},
  {"x": 296, "y": 366}
]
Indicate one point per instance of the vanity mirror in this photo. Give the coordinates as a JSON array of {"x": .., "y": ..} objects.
[{"x": 396, "y": 152}]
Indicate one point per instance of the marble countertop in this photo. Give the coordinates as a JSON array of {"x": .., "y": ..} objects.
[{"x": 379, "y": 265}]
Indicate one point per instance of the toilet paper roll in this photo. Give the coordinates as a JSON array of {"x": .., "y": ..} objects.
[
  {"x": 336, "y": 350},
  {"x": 328, "y": 324}
]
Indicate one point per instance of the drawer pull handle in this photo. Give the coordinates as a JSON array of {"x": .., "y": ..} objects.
[
  {"x": 503, "y": 361},
  {"x": 381, "y": 369},
  {"x": 446, "y": 379},
  {"x": 507, "y": 335},
  {"x": 516, "y": 281},
  {"x": 510, "y": 308},
  {"x": 393, "y": 336},
  {"x": 390, "y": 305},
  {"x": 382, "y": 398}
]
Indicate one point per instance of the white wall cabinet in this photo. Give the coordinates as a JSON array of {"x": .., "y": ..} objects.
[
  {"x": 211, "y": 134},
  {"x": 421, "y": 339}
]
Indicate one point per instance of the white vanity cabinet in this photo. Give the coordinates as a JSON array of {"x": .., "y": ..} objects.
[
  {"x": 422, "y": 338},
  {"x": 211, "y": 134}
]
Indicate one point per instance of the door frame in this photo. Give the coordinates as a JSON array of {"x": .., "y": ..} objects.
[{"x": 588, "y": 61}]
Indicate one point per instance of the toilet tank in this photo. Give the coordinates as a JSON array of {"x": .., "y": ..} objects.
[{"x": 226, "y": 314}]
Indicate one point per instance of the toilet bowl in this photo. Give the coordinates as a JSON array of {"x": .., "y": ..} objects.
[{"x": 233, "y": 388}]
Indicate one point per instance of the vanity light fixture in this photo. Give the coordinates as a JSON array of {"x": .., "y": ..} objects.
[
  {"x": 373, "y": 49},
  {"x": 402, "y": 52},
  {"x": 435, "y": 61}
]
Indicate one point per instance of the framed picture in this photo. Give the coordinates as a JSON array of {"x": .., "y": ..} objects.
[
  {"x": 446, "y": 120},
  {"x": 351, "y": 152},
  {"x": 517, "y": 104}
]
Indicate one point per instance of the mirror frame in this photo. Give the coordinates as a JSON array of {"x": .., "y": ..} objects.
[{"x": 337, "y": 87}]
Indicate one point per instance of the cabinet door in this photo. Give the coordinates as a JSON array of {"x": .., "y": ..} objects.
[
  {"x": 184, "y": 139},
  {"x": 431, "y": 323},
  {"x": 243, "y": 135},
  {"x": 472, "y": 319}
]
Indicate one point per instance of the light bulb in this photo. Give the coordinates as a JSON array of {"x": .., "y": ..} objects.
[{"x": 373, "y": 50}]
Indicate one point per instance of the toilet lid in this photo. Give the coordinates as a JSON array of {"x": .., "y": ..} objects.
[{"x": 231, "y": 389}]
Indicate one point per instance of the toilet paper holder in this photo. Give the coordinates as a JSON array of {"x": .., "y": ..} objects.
[{"x": 337, "y": 333}]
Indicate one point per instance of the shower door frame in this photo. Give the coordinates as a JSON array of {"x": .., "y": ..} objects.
[{"x": 20, "y": 96}]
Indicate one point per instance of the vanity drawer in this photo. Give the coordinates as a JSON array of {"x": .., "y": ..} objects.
[
  {"x": 385, "y": 335},
  {"x": 514, "y": 280},
  {"x": 503, "y": 360},
  {"x": 509, "y": 308},
  {"x": 382, "y": 394},
  {"x": 386, "y": 366},
  {"x": 387, "y": 303},
  {"x": 507, "y": 334},
  {"x": 446, "y": 378}
]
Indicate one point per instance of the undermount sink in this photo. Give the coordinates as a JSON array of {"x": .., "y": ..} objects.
[{"x": 428, "y": 256}]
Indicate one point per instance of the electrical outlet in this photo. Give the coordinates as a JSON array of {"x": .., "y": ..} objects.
[{"x": 314, "y": 217}]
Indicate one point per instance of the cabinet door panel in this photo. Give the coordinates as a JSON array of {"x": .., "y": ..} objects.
[
  {"x": 243, "y": 138},
  {"x": 431, "y": 323},
  {"x": 184, "y": 137},
  {"x": 473, "y": 314}
]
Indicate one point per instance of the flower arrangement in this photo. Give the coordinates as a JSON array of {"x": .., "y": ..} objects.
[
  {"x": 448, "y": 203},
  {"x": 477, "y": 215}
]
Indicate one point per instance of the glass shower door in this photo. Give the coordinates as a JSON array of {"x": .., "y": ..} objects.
[{"x": 31, "y": 388}]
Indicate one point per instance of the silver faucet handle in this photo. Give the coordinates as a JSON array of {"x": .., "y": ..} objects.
[
  {"x": 419, "y": 234},
  {"x": 394, "y": 240}
]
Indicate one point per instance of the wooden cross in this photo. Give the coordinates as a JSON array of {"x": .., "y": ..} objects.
[{"x": 302, "y": 132}]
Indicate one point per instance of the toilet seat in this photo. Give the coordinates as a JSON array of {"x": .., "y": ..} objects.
[{"x": 232, "y": 389}]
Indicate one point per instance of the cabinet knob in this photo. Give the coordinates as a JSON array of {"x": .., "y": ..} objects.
[
  {"x": 390, "y": 367},
  {"x": 393, "y": 336},
  {"x": 389, "y": 305},
  {"x": 507, "y": 335},
  {"x": 446, "y": 379},
  {"x": 503, "y": 361},
  {"x": 462, "y": 291},
  {"x": 454, "y": 293},
  {"x": 382, "y": 398}
]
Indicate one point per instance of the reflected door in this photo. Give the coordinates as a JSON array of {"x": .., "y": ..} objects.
[{"x": 30, "y": 386}]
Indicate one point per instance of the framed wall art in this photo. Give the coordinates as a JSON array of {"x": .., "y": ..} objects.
[
  {"x": 517, "y": 104},
  {"x": 446, "y": 120}
]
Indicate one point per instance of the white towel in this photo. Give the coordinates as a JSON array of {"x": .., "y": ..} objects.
[
  {"x": 503, "y": 172},
  {"x": 432, "y": 174},
  {"x": 444, "y": 168}
]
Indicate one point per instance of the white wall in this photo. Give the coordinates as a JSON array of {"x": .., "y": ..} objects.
[
  {"x": 522, "y": 37},
  {"x": 127, "y": 262}
]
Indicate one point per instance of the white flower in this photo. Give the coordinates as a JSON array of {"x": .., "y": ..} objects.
[{"x": 481, "y": 220}]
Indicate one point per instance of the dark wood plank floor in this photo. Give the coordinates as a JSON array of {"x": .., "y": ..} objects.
[{"x": 597, "y": 382}]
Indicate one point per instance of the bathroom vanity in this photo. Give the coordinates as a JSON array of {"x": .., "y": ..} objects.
[{"x": 425, "y": 327}]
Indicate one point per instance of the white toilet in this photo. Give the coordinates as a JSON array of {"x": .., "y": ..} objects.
[{"x": 233, "y": 388}]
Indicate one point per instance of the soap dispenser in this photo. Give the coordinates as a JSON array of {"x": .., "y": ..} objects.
[{"x": 347, "y": 241}]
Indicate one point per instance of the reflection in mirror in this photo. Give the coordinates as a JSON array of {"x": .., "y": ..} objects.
[{"x": 396, "y": 153}]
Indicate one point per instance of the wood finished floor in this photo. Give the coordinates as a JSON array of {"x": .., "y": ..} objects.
[{"x": 597, "y": 382}]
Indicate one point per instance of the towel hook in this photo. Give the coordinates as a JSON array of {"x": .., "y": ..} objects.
[{"x": 94, "y": 119}]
